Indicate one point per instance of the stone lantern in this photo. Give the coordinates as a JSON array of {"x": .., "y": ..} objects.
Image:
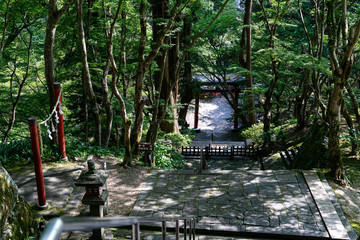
[{"x": 95, "y": 196}]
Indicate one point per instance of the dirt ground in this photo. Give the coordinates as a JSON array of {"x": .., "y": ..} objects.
[{"x": 123, "y": 185}]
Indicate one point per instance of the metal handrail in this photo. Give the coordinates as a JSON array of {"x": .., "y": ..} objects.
[{"x": 58, "y": 225}]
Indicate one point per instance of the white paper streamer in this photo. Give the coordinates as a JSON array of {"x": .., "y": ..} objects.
[
  {"x": 49, "y": 132},
  {"x": 52, "y": 127},
  {"x": 60, "y": 108},
  {"x": 56, "y": 118}
]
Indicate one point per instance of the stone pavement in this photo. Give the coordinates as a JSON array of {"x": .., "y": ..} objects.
[
  {"x": 255, "y": 202},
  {"x": 59, "y": 187}
]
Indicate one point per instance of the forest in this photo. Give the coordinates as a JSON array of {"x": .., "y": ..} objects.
[{"x": 129, "y": 71}]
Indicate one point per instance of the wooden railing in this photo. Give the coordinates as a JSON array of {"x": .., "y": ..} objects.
[{"x": 221, "y": 151}]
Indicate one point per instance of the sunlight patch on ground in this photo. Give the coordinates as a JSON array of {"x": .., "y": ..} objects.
[{"x": 213, "y": 115}]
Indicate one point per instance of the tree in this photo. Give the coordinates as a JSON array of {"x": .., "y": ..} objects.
[
  {"x": 86, "y": 72},
  {"x": 245, "y": 61},
  {"x": 342, "y": 40},
  {"x": 272, "y": 26},
  {"x": 54, "y": 15}
]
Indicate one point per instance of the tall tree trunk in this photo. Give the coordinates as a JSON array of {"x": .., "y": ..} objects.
[
  {"x": 86, "y": 71},
  {"x": 301, "y": 102},
  {"x": 168, "y": 91},
  {"x": 143, "y": 65},
  {"x": 53, "y": 18},
  {"x": 268, "y": 102},
  {"x": 108, "y": 104},
  {"x": 333, "y": 117},
  {"x": 6, "y": 22},
  {"x": 123, "y": 52},
  {"x": 340, "y": 37},
  {"x": 187, "y": 86},
  {"x": 246, "y": 61},
  {"x": 85, "y": 106}
]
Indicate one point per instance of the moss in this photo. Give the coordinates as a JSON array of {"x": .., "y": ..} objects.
[{"x": 16, "y": 216}]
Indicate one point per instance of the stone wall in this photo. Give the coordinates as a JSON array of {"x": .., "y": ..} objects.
[{"x": 16, "y": 216}]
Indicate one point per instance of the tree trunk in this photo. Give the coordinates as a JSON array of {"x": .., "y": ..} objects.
[
  {"x": 350, "y": 124},
  {"x": 187, "y": 86},
  {"x": 108, "y": 104},
  {"x": 168, "y": 91},
  {"x": 53, "y": 18},
  {"x": 301, "y": 103},
  {"x": 85, "y": 107},
  {"x": 123, "y": 53},
  {"x": 6, "y": 22},
  {"x": 247, "y": 61},
  {"x": 268, "y": 103},
  {"x": 341, "y": 65},
  {"x": 333, "y": 118},
  {"x": 86, "y": 71}
]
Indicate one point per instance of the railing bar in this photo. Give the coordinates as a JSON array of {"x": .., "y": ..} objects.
[
  {"x": 185, "y": 228},
  {"x": 53, "y": 230},
  {"x": 136, "y": 231},
  {"x": 164, "y": 230},
  {"x": 177, "y": 229},
  {"x": 194, "y": 222},
  {"x": 190, "y": 230}
]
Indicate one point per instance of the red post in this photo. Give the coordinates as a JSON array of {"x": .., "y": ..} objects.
[
  {"x": 37, "y": 162},
  {"x": 60, "y": 125},
  {"x": 197, "y": 103},
  {"x": 236, "y": 117}
]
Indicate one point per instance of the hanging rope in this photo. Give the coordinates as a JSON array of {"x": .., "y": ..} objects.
[
  {"x": 54, "y": 110},
  {"x": 50, "y": 127}
]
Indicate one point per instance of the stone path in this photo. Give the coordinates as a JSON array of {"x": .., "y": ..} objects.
[
  {"x": 59, "y": 188},
  {"x": 248, "y": 202}
]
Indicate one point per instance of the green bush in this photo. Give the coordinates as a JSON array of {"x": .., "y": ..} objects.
[
  {"x": 352, "y": 137},
  {"x": 178, "y": 140},
  {"x": 16, "y": 152},
  {"x": 255, "y": 133},
  {"x": 78, "y": 148},
  {"x": 167, "y": 157}
]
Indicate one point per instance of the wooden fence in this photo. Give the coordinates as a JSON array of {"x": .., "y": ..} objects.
[{"x": 220, "y": 151}]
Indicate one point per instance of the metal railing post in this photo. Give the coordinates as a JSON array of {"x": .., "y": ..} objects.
[
  {"x": 185, "y": 228},
  {"x": 136, "y": 231},
  {"x": 190, "y": 228},
  {"x": 164, "y": 230},
  {"x": 177, "y": 229},
  {"x": 194, "y": 223}
]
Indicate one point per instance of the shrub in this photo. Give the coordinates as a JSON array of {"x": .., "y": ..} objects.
[
  {"x": 255, "y": 133},
  {"x": 178, "y": 140},
  {"x": 16, "y": 152},
  {"x": 167, "y": 157}
]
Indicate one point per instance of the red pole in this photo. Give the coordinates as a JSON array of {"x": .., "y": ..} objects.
[
  {"x": 60, "y": 125},
  {"x": 236, "y": 118},
  {"x": 197, "y": 103},
  {"x": 37, "y": 162}
]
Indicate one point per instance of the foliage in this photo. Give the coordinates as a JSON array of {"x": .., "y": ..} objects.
[
  {"x": 16, "y": 152},
  {"x": 256, "y": 133},
  {"x": 352, "y": 137},
  {"x": 313, "y": 151},
  {"x": 167, "y": 157},
  {"x": 77, "y": 148},
  {"x": 178, "y": 140}
]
